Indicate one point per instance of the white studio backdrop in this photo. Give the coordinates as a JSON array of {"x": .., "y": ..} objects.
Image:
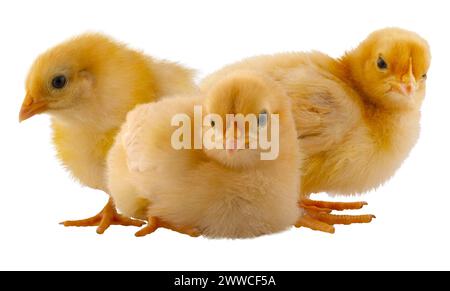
[{"x": 412, "y": 226}]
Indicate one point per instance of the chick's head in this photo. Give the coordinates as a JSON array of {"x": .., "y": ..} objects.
[
  {"x": 63, "y": 78},
  {"x": 239, "y": 109},
  {"x": 390, "y": 68}
]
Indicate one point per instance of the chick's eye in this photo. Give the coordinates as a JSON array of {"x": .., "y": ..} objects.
[
  {"x": 262, "y": 119},
  {"x": 213, "y": 123},
  {"x": 424, "y": 76},
  {"x": 59, "y": 82},
  {"x": 381, "y": 63}
]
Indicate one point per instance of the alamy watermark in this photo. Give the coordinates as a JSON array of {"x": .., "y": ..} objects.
[{"x": 236, "y": 132}]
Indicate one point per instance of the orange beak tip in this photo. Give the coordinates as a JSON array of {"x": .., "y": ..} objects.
[
  {"x": 24, "y": 115},
  {"x": 28, "y": 109}
]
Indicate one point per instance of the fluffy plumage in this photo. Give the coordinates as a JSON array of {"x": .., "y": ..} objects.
[
  {"x": 201, "y": 191},
  {"x": 101, "y": 80},
  {"x": 358, "y": 116}
]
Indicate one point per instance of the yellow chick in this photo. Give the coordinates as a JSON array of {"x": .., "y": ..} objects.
[
  {"x": 357, "y": 117},
  {"x": 224, "y": 191},
  {"x": 88, "y": 84}
]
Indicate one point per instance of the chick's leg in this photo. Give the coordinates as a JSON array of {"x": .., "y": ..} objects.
[
  {"x": 104, "y": 219},
  {"x": 318, "y": 215},
  {"x": 154, "y": 223}
]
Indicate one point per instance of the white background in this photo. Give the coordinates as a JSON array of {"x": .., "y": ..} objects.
[{"x": 412, "y": 228}]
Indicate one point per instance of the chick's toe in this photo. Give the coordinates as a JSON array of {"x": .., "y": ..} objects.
[{"x": 104, "y": 219}]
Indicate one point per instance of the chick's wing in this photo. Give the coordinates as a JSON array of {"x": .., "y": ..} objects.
[
  {"x": 133, "y": 139},
  {"x": 325, "y": 109}
]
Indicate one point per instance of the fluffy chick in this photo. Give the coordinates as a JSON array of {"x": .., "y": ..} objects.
[
  {"x": 357, "y": 117},
  {"x": 88, "y": 84},
  {"x": 215, "y": 192}
]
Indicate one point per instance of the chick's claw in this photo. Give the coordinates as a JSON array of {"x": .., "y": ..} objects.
[
  {"x": 154, "y": 223},
  {"x": 107, "y": 217}
]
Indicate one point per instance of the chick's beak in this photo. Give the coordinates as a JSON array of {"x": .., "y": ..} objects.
[
  {"x": 231, "y": 142},
  {"x": 237, "y": 141},
  {"x": 408, "y": 86},
  {"x": 31, "y": 107}
]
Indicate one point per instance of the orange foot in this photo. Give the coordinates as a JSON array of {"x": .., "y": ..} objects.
[
  {"x": 318, "y": 215},
  {"x": 154, "y": 223},
  {"x": 107, "y": 217}
]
